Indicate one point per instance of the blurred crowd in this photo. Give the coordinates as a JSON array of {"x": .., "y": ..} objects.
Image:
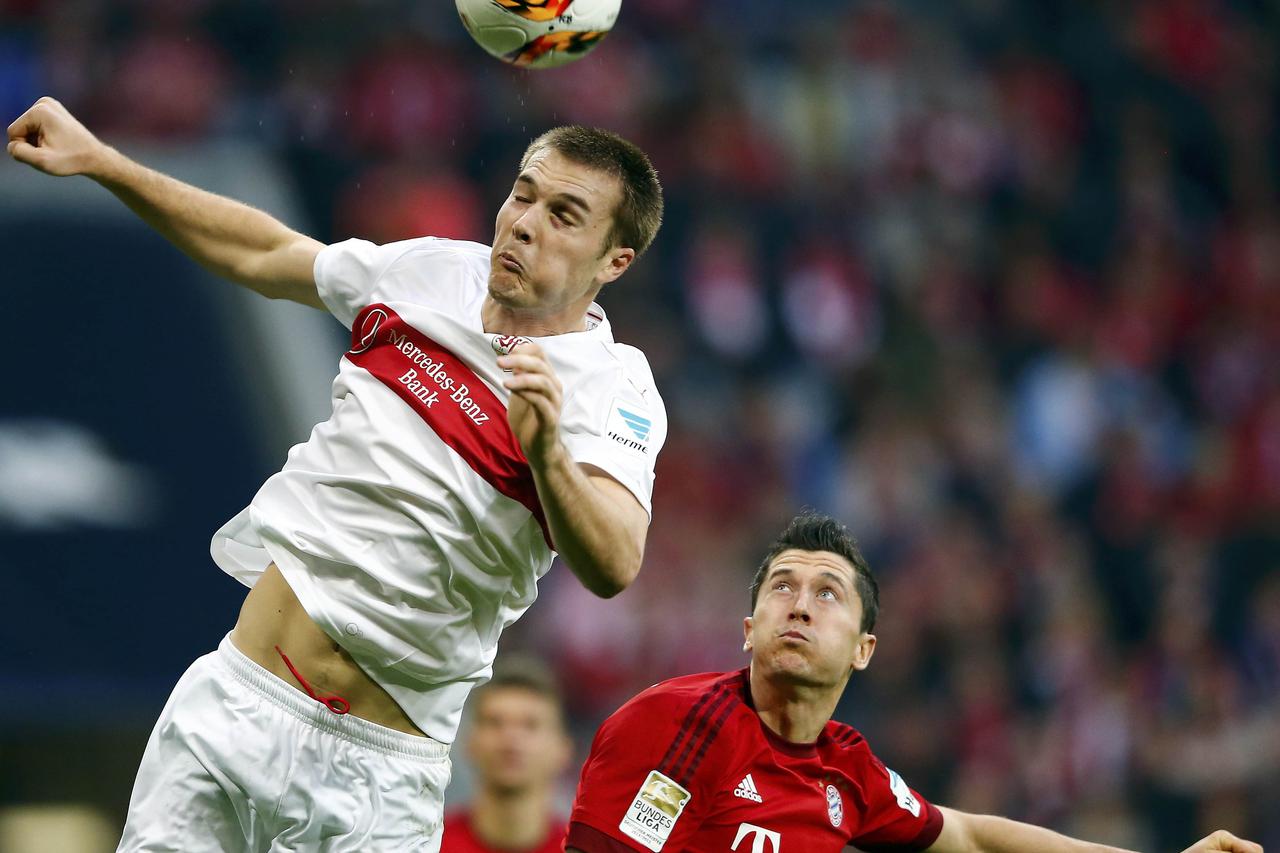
[{"x": 995, "y": 282}]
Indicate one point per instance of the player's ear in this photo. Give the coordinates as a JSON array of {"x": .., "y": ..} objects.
[
  {"x": 746, "y": 634},
  {"x": 616, "y": 261},
  {"x": 863, "y": 651}
]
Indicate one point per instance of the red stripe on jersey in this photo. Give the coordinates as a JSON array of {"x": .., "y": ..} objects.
[
  {"x": 701, "y": 734},
  {"x": 842, "y": 734},
  {"x": 690, "y": 719},
  {"x": 708, "y": 739},
  {"x": 690, "y": 730},
  {"x": 450, "y": 398}
]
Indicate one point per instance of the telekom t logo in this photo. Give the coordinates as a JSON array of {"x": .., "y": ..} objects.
[{"x": 759, "y": 836}]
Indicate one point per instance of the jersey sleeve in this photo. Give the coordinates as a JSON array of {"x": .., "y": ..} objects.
[
  {"x": 618, "y": 425},
  {"x": 625, "y": 802},
  {"x": 356, "y": 273},
  {"x": 346, "y": 274},
  {"x": 896, "y": 817}
]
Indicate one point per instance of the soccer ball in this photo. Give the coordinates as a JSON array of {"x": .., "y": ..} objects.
[{"x": 538, "y": 33}]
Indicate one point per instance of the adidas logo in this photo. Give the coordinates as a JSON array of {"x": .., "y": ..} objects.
[{"x": 747, "y": 790}]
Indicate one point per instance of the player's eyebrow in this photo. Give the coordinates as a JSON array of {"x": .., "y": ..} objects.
[
  {"x": 570, "y": 198},
  {"x": 839, "y": 579},
  {"x": 825, "y": 573}
]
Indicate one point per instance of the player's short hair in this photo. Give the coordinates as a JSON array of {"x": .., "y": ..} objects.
[
  {"x": 639, "y": 213},
  {"x": 521, "y": 672},
  {"x": 813, "y": 531}
]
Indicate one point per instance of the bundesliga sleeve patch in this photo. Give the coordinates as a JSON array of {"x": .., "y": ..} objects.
[{"x": 654, "y": 811}]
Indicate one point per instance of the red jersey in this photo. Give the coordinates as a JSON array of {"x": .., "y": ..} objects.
[
  {"x": 460, "y": 838},
  {"x": 688, "y": 765}
]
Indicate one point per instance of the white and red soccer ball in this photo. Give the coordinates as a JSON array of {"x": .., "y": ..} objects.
[{"x": 538, "y": 33}]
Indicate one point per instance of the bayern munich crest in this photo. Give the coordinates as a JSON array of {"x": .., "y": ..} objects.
[{"x": 835, "y": 806}]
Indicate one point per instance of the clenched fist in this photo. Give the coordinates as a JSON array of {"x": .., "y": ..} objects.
[
  {"x": 536, "y": 400},
  {"x": 50, "y": 138},
  {"x": 1223, "y": 842}
]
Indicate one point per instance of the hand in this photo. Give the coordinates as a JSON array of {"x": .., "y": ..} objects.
[
  {"x": 536, "y": 399},
  {"x": 1223, "y": 842},
  {"x": 49, "y": 138}
]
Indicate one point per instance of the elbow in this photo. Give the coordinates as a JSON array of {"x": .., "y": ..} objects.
[
  {"x": 609, "y": 580},
  {"x": 607, "y": 572},
  {"x": 606, "y": 588},
  {"x": 613, "y": 581}
]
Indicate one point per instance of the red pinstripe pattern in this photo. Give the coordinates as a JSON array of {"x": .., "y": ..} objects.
[{"x": 699, "y": 730}]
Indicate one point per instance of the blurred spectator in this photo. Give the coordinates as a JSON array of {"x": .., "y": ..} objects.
[
  {"x": 169, "y": 80},
  {"x": 518, "y": 746},
  {"x": 397, "y": 200}
]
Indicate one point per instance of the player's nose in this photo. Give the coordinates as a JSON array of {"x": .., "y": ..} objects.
[{"x": 520, "y": 229}]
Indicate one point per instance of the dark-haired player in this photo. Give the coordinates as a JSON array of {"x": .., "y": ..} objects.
[
  {"x": 517, "y": 745},
  {"x": 751, "y": 761},
  {"x": 483, "y": 413}
]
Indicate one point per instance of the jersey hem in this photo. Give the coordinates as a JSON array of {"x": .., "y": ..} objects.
[
  {"x": 319, "y": 272},
  {"x": 932, "y": 829},
  {"x": 606, "y": 464},
  {"x": 928, "y": 835},
  {"x": 588, "y": 839},
  {"x": 294, "y": 571}
]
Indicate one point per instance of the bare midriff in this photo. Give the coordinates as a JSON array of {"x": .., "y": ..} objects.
[{"x": 272, "y": 616}]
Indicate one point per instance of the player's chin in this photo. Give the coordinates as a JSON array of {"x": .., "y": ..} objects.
[
  {"x": 792, "y": 662},
  {"x": 511, "y": 784},
  {"x": 508, "y": 288},
  {"x": 803, "y": 665}
]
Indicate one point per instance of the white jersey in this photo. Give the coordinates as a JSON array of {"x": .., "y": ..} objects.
[{"x": 408, "y": 524}]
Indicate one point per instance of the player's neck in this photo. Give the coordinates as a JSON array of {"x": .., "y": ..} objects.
[
  {"x": 511, "y": 821},
  {"x": 499, "y": 319},
  {"x": 794, "y": 712}
]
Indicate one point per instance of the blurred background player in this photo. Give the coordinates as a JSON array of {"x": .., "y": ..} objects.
[
  {"x": 399, "y": 540},
  {"x": 518, "y": 746},
  {"x": 751, "y": 760}
]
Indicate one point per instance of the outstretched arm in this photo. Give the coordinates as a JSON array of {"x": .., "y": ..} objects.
[
  {"x": 596, "y": 524},
  {"x": 226, "y": 237},
  {"x": 970, "y": 833}
]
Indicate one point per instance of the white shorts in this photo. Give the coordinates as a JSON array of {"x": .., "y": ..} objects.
[{"x": 239, "y": 760}]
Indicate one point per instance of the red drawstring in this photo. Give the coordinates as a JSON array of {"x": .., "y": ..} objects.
[{"x": 336, "y": 704}]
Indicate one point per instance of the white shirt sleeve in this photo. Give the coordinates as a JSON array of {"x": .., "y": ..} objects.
[
  {"x": 347, "y": 274},
  {"x": 356, "y": 273},
  {"x": 618, "y": 426}
]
